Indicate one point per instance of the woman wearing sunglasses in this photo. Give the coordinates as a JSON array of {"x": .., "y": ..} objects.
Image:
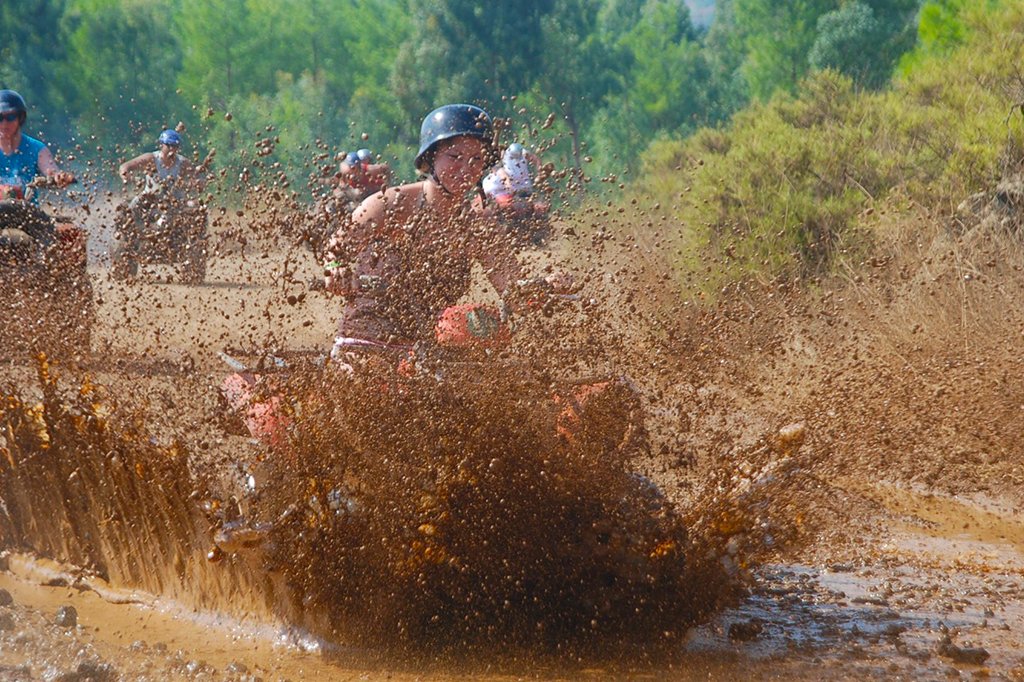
[{"x": 22, "y": 158}]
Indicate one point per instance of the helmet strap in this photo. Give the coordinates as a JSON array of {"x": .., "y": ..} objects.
[{"x": 437, "y": 181}]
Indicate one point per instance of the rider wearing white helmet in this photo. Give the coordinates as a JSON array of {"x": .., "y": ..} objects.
[{"x": 512, "y": 177}]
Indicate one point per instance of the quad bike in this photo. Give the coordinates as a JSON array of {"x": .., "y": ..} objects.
[
  {"x": 459, "y": 468},
  {"x": 46, "y": 298},
  {"x": 469, "y": 338},
  {"x": 161, "y": 226},
  {"x": 443, "y": 492}
]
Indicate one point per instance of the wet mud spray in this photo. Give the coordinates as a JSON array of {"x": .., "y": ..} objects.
[
  {"x": 404, "y": 513},
  {"x": 802, "y": 444},
  {"x": 106, "y": 499}
]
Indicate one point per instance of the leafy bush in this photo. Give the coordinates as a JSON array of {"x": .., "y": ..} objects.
[{"x": 779, "y": 191}]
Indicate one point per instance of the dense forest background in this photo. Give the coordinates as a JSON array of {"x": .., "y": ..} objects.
[{"x": 591, "y": 83}]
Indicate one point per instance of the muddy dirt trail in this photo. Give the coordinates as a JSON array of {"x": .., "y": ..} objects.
[{"x": 861, "y": 554}]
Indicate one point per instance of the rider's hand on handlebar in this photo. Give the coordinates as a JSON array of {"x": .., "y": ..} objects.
[
  {"x": 62, "y": 178},
  {"x": 58, "y": 179}
]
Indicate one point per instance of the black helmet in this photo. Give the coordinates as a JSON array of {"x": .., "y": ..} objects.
[
  {"x": 451, "y": 120},
  {"x": 12, "y": 101}
]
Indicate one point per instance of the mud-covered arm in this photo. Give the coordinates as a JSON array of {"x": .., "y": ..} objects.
[
  {"x": 140, "y": 162},
  {"x": 350, "y": 245},
  {"x": 50, "y": 169},
  {"x": 494, "y": 252}
]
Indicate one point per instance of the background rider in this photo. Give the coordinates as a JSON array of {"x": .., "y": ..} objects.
[
  {"x": 167, "y": 171},
  {"x": 23, "y": 158},
  {"x": 359, "y": 177}
]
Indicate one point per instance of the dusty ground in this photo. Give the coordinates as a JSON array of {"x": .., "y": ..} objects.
[{"x": 888, "y": 547}]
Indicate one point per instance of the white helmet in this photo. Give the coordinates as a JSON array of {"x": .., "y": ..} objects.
[{"x": 515, "y": 151}]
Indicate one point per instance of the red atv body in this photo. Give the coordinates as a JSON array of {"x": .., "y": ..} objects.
[
  {"x": 464, "y": 333},
  {"x": 46, "y": 300}
]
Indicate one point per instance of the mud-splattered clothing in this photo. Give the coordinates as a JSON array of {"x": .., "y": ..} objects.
[
  {"x": 403, "y": 278},
  {"x": 165, "y": 172}
]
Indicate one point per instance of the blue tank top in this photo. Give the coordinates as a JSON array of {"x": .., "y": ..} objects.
[{"x": 21, "y": 167}]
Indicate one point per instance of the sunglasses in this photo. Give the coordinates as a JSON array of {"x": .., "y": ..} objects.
[{"x": 8, "y": 118}]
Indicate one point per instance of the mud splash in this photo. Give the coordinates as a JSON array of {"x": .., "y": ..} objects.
[
  {"x": 407, "y": 513},
  {"x": 452, "y": 514},
  {"x": 102, "y": 496}
]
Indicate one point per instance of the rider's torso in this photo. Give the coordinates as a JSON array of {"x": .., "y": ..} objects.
[
  {"x": 166, "y": 177},
  {"x": 406, "y": 278},
  {"x": 21, "y": 167}
]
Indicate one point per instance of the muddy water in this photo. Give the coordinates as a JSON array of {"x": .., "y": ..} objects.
[{"x": 923, "y": 598}]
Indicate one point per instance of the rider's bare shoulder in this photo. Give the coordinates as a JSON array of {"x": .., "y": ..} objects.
[{"x": 393, "y": 202}]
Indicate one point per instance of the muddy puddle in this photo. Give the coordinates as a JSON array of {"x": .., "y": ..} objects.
[{"x": 933, "y": 593}]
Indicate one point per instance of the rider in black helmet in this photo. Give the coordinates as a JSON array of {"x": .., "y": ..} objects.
[{"x": 409, "y": 251}]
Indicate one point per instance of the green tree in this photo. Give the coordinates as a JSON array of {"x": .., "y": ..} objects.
[
  {"x": 846, "y": 40},
  {"x": 664, "y": 80},
  {"x": 225, "y": 51},
  {"x": 668, "y": 73},
  {"x": 862, "y": 41},
  {"x": 940, "y": 29},
  {"x": 121, "y": 68},
  {"x": 469, "y": 50},
  {"x": 724, "y": 52},
  {"x": 581, "y": 66},
  {"x": 777, "y": 38},
  {"x": 31, "y": 56}
]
